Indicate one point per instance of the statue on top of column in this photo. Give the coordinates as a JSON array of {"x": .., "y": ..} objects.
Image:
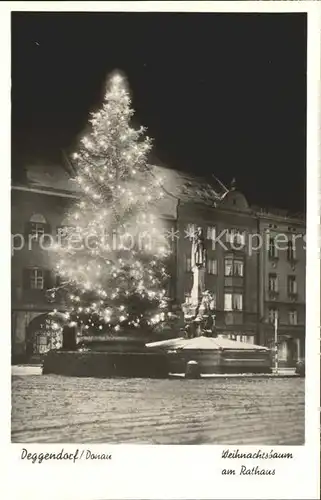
[{"x": 198, "y": 248}]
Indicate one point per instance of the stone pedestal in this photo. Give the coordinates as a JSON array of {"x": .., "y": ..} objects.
[
  {"x": 192, "y": 308},
  {"x": 198, "y": 285}
]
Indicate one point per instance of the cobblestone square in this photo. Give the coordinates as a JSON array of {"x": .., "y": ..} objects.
[{"x": 252, "y": 411}]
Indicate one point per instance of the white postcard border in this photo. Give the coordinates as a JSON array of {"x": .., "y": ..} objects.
[{"x": 161, "y": 472}]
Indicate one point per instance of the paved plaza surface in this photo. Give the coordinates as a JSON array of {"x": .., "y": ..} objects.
[{"x": 254, "y": 411}]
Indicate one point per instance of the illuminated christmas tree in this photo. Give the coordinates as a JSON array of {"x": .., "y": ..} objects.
[{"x": 112, "y": 257}]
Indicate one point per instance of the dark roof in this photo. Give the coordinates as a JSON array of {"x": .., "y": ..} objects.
[
  {"x": 187, "y": 187},
  {"x": 182, "y": 186},
  {"x": 179, "y": 185}
]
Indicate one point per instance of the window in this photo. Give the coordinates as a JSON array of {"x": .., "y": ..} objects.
[
  {"x": 234, "y": 236},
  {"x": 234, "y": 267},
  {"x": 212, "y": 266},
  {"x": 228, "y": 267},
  {"x": 36, "y": 279},
  {"x": 248, "y": 339},
  {"x": 229, "y": 235},
  {"x": 37, "y": 229},
  {"x": 228, "y": 302},
  {"x": 273, "y": 315},
  {"x": 238, "y": 267},
  {"x": 211, "y": 233},
  {"x": 240, "y": 237},
  {"x": 41, "y": 342},
  {"x": 291, "y": 251},
  {"x": 272, "y": 248},
  {"x": 293, "y": 317},
  {"x": 237, "y": 301},
  {"x": 273, "y": 283},
  {"x": 292, "y": 285},
  {"x": 233, "y": 302},
  {"x": 37, "y": 226},
  {"x": 188, "y": 264}
]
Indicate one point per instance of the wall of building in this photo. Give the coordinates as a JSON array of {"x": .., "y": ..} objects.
[
  {"x": 33, "y": 254},
  {"x": 222, "y": 218},
  {"x": 28, "y": 253},
  {"x": 233, "y": 212},
  {"x": 291, "y": 337}
]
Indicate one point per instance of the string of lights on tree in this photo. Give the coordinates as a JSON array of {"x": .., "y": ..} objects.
[{"x": 112, "y": 260}]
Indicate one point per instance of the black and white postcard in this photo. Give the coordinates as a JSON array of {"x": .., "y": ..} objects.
[{"x": 160, "y": 184}]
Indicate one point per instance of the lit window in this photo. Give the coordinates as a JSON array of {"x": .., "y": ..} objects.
[
  {"x": 248, "y": 339},
  {"x": 240, "y": 237},
  {"x": 293, "y": 317},
  {"x": 233, "y": 302},
  {"x": 234, "y": 236},
  {"x": 234, "y": 267},
  {"x": 228, "y": 302},
  {"x": 37, "y": 226},
  {"x": 273, "y": 315},
  {"x": 237, "y": 302},
  {"x": 228, "y": 267},
  {"x": 212, "y": 266},
  {"x": 229, "y": 235},
  {"x": 272, "y": 248},
  {"x": 292, "y": 285},
  {"x": 37, "y": 230},
  {"x": 238, "y": 268},
  {"x": 211, "y": 233},
  {"x": 41, "y": 344},
  {"x": 36, "y": 279},
  {"x": 273, "y": 283},
  {"x": 42, "y": 340}
]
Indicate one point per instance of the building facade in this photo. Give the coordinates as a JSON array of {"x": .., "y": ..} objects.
[
  {"x": 282, "y": 285},
  {"x": 38, "y": 205},
  {"x": 252, "y": 284},
  {"x": 231, "y": 269}
]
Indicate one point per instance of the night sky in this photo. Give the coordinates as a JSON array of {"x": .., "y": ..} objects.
[{"x": 219, "y": 93}]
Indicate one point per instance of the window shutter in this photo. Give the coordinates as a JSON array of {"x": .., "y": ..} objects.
[{"x": 26, "y": 279}]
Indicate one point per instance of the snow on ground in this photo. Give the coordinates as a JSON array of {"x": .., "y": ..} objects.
[{"x": 262, "y": 411}]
